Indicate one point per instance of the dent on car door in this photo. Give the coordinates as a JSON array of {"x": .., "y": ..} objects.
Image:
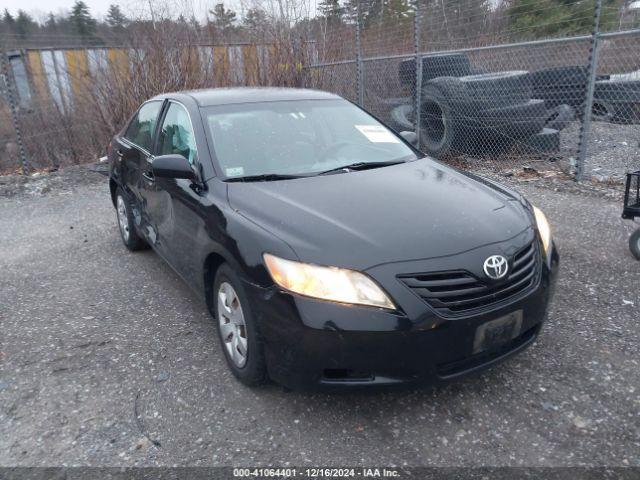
[
  {"x": 134, "y": 151},
  {"x": 175, "y": 209}
]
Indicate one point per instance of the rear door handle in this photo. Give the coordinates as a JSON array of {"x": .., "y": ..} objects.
[
  {"x": 148, "y": 176},
  {"x": 120, "y": 153}
]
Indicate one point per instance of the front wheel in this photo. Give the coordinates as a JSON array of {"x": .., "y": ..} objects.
[
  {"x": 238, "y": 331},
  {"x": 634, "y": 244}
]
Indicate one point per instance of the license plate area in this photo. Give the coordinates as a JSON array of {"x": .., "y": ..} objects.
[{"x": 495, "y": 333}]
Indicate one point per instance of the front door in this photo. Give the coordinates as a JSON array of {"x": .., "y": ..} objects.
[{"x": 173, "y": 211}]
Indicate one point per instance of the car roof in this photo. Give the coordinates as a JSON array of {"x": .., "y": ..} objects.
[{"x": 226, "y": 96}]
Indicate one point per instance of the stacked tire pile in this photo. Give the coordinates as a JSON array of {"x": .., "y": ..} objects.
[{"x": 464, "y": 110}]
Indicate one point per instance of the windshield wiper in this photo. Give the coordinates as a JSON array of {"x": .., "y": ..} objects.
[
  {"x": 267, "y": 177},
  {"x": 360, "y": 166},
  {"x": 264, "y": 177}
]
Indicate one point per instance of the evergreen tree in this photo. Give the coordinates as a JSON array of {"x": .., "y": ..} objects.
[
  {"x": 223, "y": 18},
  {"x": 8, "y": 22},
  {"x": 115, "y": 17},
  {"x": 379, "y": 11},
  {"x": 369, "y": 10},
  {"x": 7, "y": 18},
  {"x": 331, "y": 10},
  {"x": 457, "y": 22},
  {"x": 193, "y": 22},
  {"x": 255, "y": 20},
  {"x": 24, "y": 24},
  {"x": 83, "y": 23},
  {"x": 50, "y": 23},
  {"x": 544, "y": 18}
]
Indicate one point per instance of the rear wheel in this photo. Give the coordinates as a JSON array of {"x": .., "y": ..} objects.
[
  {"x": 130, "y": 237},
  {"x": 238, "y": 331},
  {"x": 634, "y": 244}
]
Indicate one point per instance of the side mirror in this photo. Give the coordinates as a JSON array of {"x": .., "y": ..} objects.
[
  {"x": 410, "y": 137},
  {"x": 172, "y": 166}
]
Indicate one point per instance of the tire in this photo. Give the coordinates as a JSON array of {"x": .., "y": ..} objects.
[
  {"x": 407, "y": 73},
  {"x": 434, "y": 66},
  {"x": 499, "y": 88},
  {"x": 438, "y": 131},
  {"x": 602, "y": 111},
  {"x": 560, "y": 117},
  {"x": 634, "y": 244},
  {"x": 232, "y": 308},
  {"x": 617, "y": 101},
  {"x": 126, "y": 224},
  {"x": 445, "y": 65},
  {"x": 402, "y": 117},
  {"x": 566, "y": 75},
  {"x": 560, "y": 85}
]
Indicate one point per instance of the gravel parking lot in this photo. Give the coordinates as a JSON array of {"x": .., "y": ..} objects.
[
  {"x": 107, "y": 358},
  {"x": 614, "y": 149}
]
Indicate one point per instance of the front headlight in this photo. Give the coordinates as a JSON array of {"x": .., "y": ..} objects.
[
  {"x": 327, "y": 283},
  {"x": 543, "y": 228}
]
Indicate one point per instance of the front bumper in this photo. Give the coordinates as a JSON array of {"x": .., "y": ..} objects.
[{"x": 314, "y": 344}]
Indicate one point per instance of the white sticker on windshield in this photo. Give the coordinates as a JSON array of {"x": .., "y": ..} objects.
[
  {"x": 377, "y": 134},
  {"x": 234, "y": 171}
]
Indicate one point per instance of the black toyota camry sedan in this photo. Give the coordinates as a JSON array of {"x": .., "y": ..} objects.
[{"x": 329, "y": 251}]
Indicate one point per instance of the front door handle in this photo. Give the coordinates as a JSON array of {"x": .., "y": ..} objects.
[{"x": 149, "y": 176}]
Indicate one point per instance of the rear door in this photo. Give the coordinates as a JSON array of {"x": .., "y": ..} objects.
[{"x": 134, "y": 151}]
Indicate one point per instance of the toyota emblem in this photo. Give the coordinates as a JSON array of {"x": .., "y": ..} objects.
[{"x": 496, "y": 267}]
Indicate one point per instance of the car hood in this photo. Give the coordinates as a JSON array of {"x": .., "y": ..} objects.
[{"x": 410, "y": 211}]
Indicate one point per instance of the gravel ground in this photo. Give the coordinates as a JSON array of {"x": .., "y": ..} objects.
[
  {"x": 614, "y": 149},
  {"x": 67, "y": 180},
  {"x": 107, "y": 358}
]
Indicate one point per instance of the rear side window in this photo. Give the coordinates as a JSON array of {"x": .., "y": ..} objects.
[
  {"x": 176, "y": 135},
  {"x": 140, "y": 130}
]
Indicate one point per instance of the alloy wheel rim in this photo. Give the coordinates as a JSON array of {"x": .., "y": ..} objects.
[
  {"x": 123, "y": 219},
  {"x": 233, "y": 329}
]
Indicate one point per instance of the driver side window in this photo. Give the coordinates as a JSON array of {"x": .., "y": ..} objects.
[{"x": 176, "y": 134}]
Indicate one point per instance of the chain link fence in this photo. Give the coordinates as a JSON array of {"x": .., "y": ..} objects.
[
  {"x": 494, "y": 91},
  {"x": 614, "y": 139},
  {"x": 490, "y": 86},
  {"x": 12, "y": 155}
]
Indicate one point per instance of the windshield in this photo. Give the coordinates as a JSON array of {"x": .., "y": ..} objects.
[{"x": 303, "y": 137}]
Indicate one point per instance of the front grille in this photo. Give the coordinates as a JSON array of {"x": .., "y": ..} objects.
[{"x": 459, "y": 292}]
